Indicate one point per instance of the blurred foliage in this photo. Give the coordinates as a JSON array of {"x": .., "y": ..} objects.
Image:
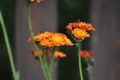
[
  {"x": 7, "y": 9},
  {"x": 70, "y": 11}
]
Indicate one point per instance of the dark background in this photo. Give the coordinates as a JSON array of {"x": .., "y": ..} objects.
[
  {"x": 105, "y": 17},
  {"x": 68, "y": 11},
  {"x": 7, "y": 9}
]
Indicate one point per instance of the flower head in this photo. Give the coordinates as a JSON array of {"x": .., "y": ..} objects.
[
  {"x": 86, "y": 54},
  {"x": 59, "y": 54},
  {"x": 80, "y": 29},
  {"x": 80, "y": 34},
  {"x": 57, "y": 39},
  {"x": 52, "y": 39},
  {"x": 31, "y": 1},
  {"x": 80, "y": 25},
  {"x": 35, "y": 54}
]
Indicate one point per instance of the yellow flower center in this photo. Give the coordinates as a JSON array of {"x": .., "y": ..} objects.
[
  {"x": 80, "y": 34},
  {"x": 57, "y": 39}
]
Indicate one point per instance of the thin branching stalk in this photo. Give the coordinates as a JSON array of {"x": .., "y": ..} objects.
[{"x": 33, "y": 42}]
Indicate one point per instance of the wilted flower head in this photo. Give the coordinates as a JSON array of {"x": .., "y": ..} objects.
[
  {"x": 86, "y": 54},
  {"x": 59, "y": 54},
  {"x": 52, "y": 39},
  {"x": 80, "y": 29},
  {"x": 35, "y": 54}
]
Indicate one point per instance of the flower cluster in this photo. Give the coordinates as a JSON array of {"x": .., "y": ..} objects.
[
  {"x": 46, "y": 45},
  {"x": 80, "y": 29},
  {"x": 52, "y": 39},
  {"x": 50, "y": 42},
  {"x": 47, "y": 51}
]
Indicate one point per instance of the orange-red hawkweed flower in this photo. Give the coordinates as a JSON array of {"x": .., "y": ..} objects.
[
  {"x": 80, "y": 25},
  {"x": 35, "y": 54},
  {"x": 80, "y": 34},
  {"x": 31, "y": 1},
  {"x": 59, "y": 54},
  {"x": 86, "y": 54},
  {"x": 52, "y": 39},
  {"x": 80, "y": 29}
]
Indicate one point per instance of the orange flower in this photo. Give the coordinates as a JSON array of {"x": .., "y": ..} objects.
[
  {"x": 60, "y": 39},
  {"x": 35, "y": 54},
  {"x": 79, "y": 29},
  {"x": 80, "y": 34},
  {"x": 59, "y": 54},
  {"x": 86, "y": 54},
  {"x": 81, "y": 25},
  {"x": 31, "y": 1},
  {"x": 70, "y": 26},
  {"x": 86, "y": 26},
  {"x": 57, "y": 39},
  {"x": 38, "y": 1},
  {"x": 51, "y": 39},
  {"x": 46, "y": 42},
  {"x": 41, "y": 36}
]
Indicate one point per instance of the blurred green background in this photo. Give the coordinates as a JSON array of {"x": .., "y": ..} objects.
[{"x": 68, "y": 11}]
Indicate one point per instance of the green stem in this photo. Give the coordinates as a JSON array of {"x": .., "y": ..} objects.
[
  {"x": 46, "y": 67},
  {"x": 51, "y": 67},
  {"x": 33, "y": 42},
  {"x": 79, "y": 60},
  {"x": 8, "y": 47}
]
